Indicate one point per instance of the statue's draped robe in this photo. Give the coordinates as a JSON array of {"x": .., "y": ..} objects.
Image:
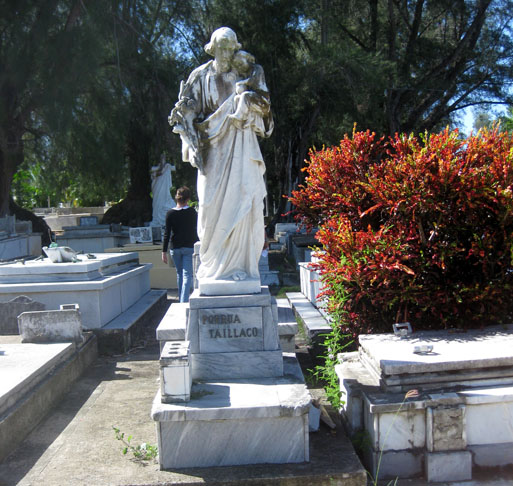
[{"x": 231, "y": 186}]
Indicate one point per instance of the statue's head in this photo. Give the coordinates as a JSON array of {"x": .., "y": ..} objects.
[{"x": 223, "y": 44}]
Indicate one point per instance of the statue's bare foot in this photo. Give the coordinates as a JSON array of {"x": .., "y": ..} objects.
[{"x": 239, "y": 276}]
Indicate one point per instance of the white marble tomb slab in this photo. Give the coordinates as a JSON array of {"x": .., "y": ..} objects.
[
  {"x": 100, "y": 300},
  {"x": 44, "y": 271},
  {"x": 471, "y": 350},
  {"x": 22, "y": 366}
]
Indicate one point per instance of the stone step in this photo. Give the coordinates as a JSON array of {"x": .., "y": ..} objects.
[
  {"x": 120, "y": 334},
  {"x": 314, "y": 323}
]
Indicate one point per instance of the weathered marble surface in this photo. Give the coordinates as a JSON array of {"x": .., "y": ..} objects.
[
  {"x": 19, "y": 246},
  {"x": 172, "y": 325},
  {"x": 230, "y": 329},
  {"x": 211, "y": 286},
  {"x": 443, "y": 422},
  {"x": 448, "y": 466},
  {"x": 278, "y": 440},
  {"x": 51, "y": 326},
  {"x": 471, "y": 350},
  {"x": 101, "y": 300},
  {"x": 44, "y": 271},
  {"x": 236, "y": 422},
  {"x": 260, "y": 299},
  {"x": 175, "y": 372},
  {"x": 233, "y": 336},
  {"x": 245, "y": 364}
]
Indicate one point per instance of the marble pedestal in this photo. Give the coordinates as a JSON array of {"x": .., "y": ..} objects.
[
  {"x": 248, "y": 401},
  {"x": 211, "y": 286},
  {"x": 234, "y": 336}
]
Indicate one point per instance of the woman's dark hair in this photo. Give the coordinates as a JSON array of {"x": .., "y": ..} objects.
[{"x": 183, "y": 194}]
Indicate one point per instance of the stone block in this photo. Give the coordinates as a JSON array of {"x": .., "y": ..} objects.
[
  {"x": 492, "y": 455},
  {"x": 23, "y": 227},
  {"x": 52, "y": 326},
  {"x": 472, "y": 352},
  {"x": 393, "y": 464},
  {"x": 448, "y": 466},
  {"x": 314, "y": 417},
  {"x": 192, "y": 330},
  {"x": 490, "y": 423},
  {"x": 88, "y": 220},
  {"x": 172, "y": 325},
  {"x": 270, "y": 325},
  {"x": 251, "y": 364},
  {"x": 210, "y": 286},
  {"x": 9, "y": 312},
  {"x": 445, "y": 428},
  {"x": 8, "y": 224},
  {"x": 198, "y": 301},
  {"x": 398, "y": 431},
  {"x": 175, "y": 372},
  {"x": 143, "y": 234},
  {"x": 285, "y": 228},
  {"x": 221, "y": 443}
]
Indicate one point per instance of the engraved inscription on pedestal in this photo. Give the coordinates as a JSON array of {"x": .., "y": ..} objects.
[{"x": 230, "y": 329}]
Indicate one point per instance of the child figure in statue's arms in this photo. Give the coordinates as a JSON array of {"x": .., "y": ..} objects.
[{"x": 250, "y": 98}]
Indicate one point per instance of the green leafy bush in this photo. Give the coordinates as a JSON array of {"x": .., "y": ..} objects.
[{"x": 414, "y": 229}]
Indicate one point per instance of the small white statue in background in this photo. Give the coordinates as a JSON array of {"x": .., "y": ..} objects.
[{"x": 161, "y": 182}]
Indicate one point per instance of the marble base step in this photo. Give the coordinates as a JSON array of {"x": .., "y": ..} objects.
[
  {"x": 249, "y": 421},
  {"x": 244, "y": 364},
  {"x": 120, "y": 334}
]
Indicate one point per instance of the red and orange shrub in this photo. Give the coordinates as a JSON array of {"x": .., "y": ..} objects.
[{"x": 414, "y": 229}]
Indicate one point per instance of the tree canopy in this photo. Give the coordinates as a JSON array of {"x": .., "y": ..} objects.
[{"x": 86, "y": 87}]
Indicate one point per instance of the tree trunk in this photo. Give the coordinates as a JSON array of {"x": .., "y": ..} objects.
[
  {"x": 136, "y": 208},
  {"x": 11, "y": 156},
  {"x": 39, "y": 225}
]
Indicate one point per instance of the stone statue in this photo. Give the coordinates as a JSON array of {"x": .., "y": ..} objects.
[
  {"x": 222, "y": 108},
  {"x": 161, "y": 182}
]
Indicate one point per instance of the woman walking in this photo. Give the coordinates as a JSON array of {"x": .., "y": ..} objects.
[{"x": 181, "y": 224}]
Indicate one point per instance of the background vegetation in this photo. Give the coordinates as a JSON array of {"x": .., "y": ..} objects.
[{"x": 86, "y": 87}]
